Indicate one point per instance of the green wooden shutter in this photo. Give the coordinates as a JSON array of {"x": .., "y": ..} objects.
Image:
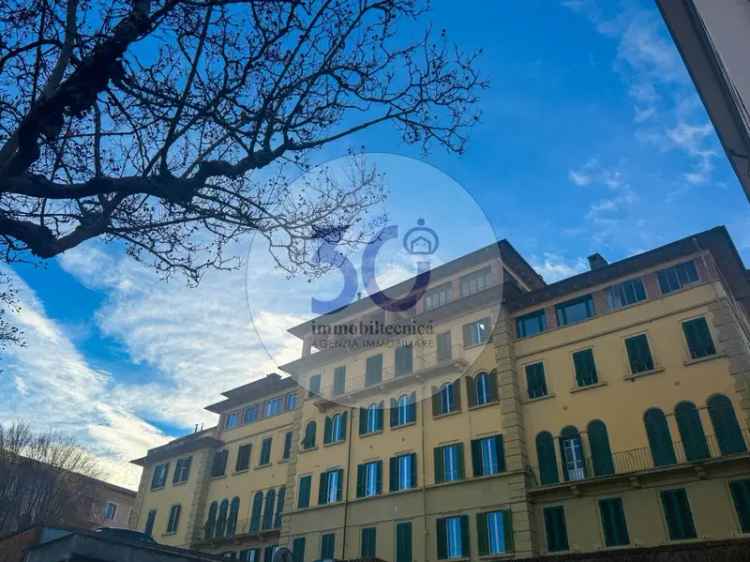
[
  {"x": 339, "y": 484},
  {"x": 298, "y": 549},
  {"x": 414, "y": 469},
  {"x": 439, "y": 465},
  {"x": 613, "y": 522},
  {"x": 379, "y": 481},
  {"x": 279, "y": 507},
  {"x": 327, "y": 431},
  {"x": 367, "y": 549},
  {"x": 363, "y": 421},
  {"x": 698, "y": 338},
  {"x": 492, "y": 382},
  {"x": 361, "y": 476},
  {"x": 500, "y": 451},
  {"x": 304, "y": 492},
  {"x": 659, "y": 438},
  {"x": 442, "y": 539},
  {"x": 639, "y": 354},
  {"x": 741, "y": 497},
  {"x": 436, "y": 409},
  {"x": 393, "y": 474},
  {"x": 691, "y": 431},
  {"x": 465, "y": 539},
  {"x": 470, "y": 391},
  {"x": 256, "y": 512},
  {"x": 557, "y": 533},
  {"x": 508, "y": 530},
  {"x": 476, "y": 457},
  {"x": 379, "y": 416},
  {"x": 600, "y": 451},
  {"x": 394, "y": 413},
  {"x": 323, "y": 489},
  {"x": 456, "y": 390},
  {"x": 412, "y": 408},
  {"x": 328, "y": 546},
  {"x": 678, "y": 515},
  {"x": 344, "y": 418},
  {"x": 545, "y": 452},
  {"x": 726, "y": 427},
  {"x": 403, "y": 542},
  {"x": 482, "y": 534},
  {"x": 460, "y": 454}
]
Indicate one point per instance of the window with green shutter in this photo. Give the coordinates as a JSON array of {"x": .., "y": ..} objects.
[
  {"x": 256, "y": 512},
  {"x": 150, "y": 522},
  {"x": 314, "y": 386},
  {"x": 691, "y": 431},
  {"x": 303, "y": 498},
  {"x": 639, "y": 354},
  {"x": 726, "y": 427},
  {"x": 678, "y": 515},
  {"x": 265, "y": 451},
  {"x": 698, "y": 338},
  {"x": 444, "y": 347},
  {"x": 453, "y": 537},
  {"x": 287, "y": 445},
  {"x": 403, "y": 542},
  {"x": 402, "y": 472},
  {"x": 555, "y": 529},
  {"x": 545, "y": 452},
  {"x": 585, "y": 367},
  {"x": 367, "y": 549},
  {"x": 488, "y": 455},
  {"x": 613, "y": 522},
  {"x": 535, "y": 380},
  {"x": 659, "y": 438},
  {"x": 339, "y": 380},
  {"x": 601, "y": 454},
  {"x": 494, "y": 532},
  {"x": 449, "y": 463},
  {"x": 369, "y": 479},
  {"x": 298, "y": 549},
  {"x": 374, "y": 370},
  {"x": 328, "y": 546},
  {"x": 403, "y": 360},
  {"x": 741, "y": 497},
  {"x": 243, "y": 458}
]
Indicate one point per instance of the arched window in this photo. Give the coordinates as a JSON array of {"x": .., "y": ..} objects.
[
  {"x": 234, "y": 510},
  {"x": 221, "y": 519},
  {"x": 726, "y": 427},
  {"x": 335, "y": 429},
  {"x": 601, "y": 454},
  {"x": 308, "y": 442},
  {"x": 659, "y": 438},
  {"x": 571, "y": 452},
  {"x": 484, "y": 388},
  {"x": 691, "y": 431},
  {"x": 211, "y": 522},
  {"x": 279, "y": 507},
  {"x": 545, "y": 452},
  {"x": 374, "y": 417},
  {"x": 256, "y": 512},
  {"x": 268, "y": 509}
]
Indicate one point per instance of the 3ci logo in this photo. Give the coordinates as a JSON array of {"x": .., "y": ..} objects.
[{"x": 418, "y": 241}]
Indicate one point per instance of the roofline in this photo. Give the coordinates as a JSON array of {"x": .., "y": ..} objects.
[{"x": 267, "y": 386}]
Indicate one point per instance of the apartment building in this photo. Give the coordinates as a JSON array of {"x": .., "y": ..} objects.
[{"x": 502, "y": 417}]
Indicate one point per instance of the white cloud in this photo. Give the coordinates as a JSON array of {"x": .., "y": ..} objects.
[{"x": 554, "y": 267}]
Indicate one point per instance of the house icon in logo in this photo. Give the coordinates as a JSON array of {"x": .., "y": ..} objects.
[{"x": 421, "y": 240}]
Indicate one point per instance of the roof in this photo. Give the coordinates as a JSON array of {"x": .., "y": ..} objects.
[
  {"x": 270, "y": 384},
  {"x": 187, "y": 444},
  {"x": 715, "y": 240}
]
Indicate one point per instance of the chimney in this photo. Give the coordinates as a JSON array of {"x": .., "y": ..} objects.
[{"x": 596, "y": 261}]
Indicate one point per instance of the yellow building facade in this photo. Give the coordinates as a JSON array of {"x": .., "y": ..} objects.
[{"x": 502, "y": 418}]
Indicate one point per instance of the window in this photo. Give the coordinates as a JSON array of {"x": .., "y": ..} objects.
[
  {"x": 613, "y": 522},
  {"x": 691, "y": 431},
  {"x": 476, "y": 333},
  {"x": 369, "y": 479},
  {"x": 328, "y": 546},
  {"x": 403, "y": 472},
  {"x": 298, "y": 549},
  {"x": 182, "y": 470},
  {"x": 287, "y": 451},
  {"x": 659, "y": 438},
  {"x": 536, "y": 383},
  {"x": 150, "y": 523},
  {"x": 494, "y": 532},
  {"x": 583, "y": 361},
  {"x": 211, "y": 521},
  {"x": 487, "y": 455},
  {"x": 740, "y": 490},
  {"x": 404, "y": 360},
  {"x": 403, "y": 542},
  {"x": 291, "y": 401},
  {"x": 269, "y": 551},
  {"x": 678, "y": 515},
  {"x": 626, "y": 293},
  {"x": 698, "y": 338},
  {"x": 110, "y": 511},
  {"x": 676, "y": 277},
  {"x": 531, "y": 324},
  {"x": 234, "y": 512},
  {"x": 251, "y": 414},
  {"x": 330, "y": 486},
  {"x": 601, "y": 454},
  {"x": 453, "y": 537},
  {"x": 339, "y": 380},
  {"x": 446, "y": 399},
  {"x": 443, "y": 344},
  {"x": 374, "y": 370},
  {"x": 476, "y": 282},
  {"x": 219, "y": 465},
  {"x": 279, "y": 507},
  {"x": 243, "y": 458},
  {"x": 371, "y": 418},
  {"x": 308, "y": 442},
  {"x": 221, "y": 518},
  {"x": 273, "y": 407},
  {"x": 482, "y": 389},
  {"x": 639, "y": 354},
  {"x": 545, "y": 452},
  {"x": 252, "y": 555},
  {"x": 256, "y": 512},
  {"x": 232, "y": 420},
  {"x": 571, "y": 451},
  {"x": 268, "y": 508},
  {"x": 174, "y": 519},
  {"x": 265, "y": 451},
  {"x": 575, "y": 310},
  {"x": 314, "y": 386},
  {"x": 404, "y": 410},
  {"x": 367, "y": 548},
  {"x": 159, "y": 478},
  {"x": 437, "y": 297},
  {"x": 726, "y": 427},
  {"x": 555, "y": 529},
  {"x": 449, "y": 463},
  {"x": 335, "y": 429},
  {"x": 305, "y": 485}
]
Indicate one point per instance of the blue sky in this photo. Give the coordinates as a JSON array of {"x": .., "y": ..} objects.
[{"x": 592, "y": 138}]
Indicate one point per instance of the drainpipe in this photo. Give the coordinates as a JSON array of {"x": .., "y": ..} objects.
[{"x": 348, "y": 481}]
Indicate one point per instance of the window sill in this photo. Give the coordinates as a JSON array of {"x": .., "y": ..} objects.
[
  {"x": 283, "y": 461},
  {"x": 404, "y": 425},
  {"x": 485, "y": 405},
  {"x": 446, "y": 415},
  {"x": 157, "y": 488},
  {"x": 689, "y": 362},
  {"x": 538, "y": 398},
  {"x": 262, "y": 466},
  {"x": 180, "y": 483},
  {"x": 333, "y": 444},
  {"x": 370, "y": 434},
  {"x": 173, "y": 533},
  {"x": 498, "y": 556},
  {"x": 241, "y": 471},
  {"x": 218, "y": 477},
  {"x": 639, "y": 374},
  {"x": 308, "y": 450},
  {"x": 588, "y": 387},
  {"x": 475, "y": 346}
]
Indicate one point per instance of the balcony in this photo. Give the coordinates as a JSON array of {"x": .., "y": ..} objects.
[
  {"x": 241, "y": 535},
  {"x": 632, "y": 464}
]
